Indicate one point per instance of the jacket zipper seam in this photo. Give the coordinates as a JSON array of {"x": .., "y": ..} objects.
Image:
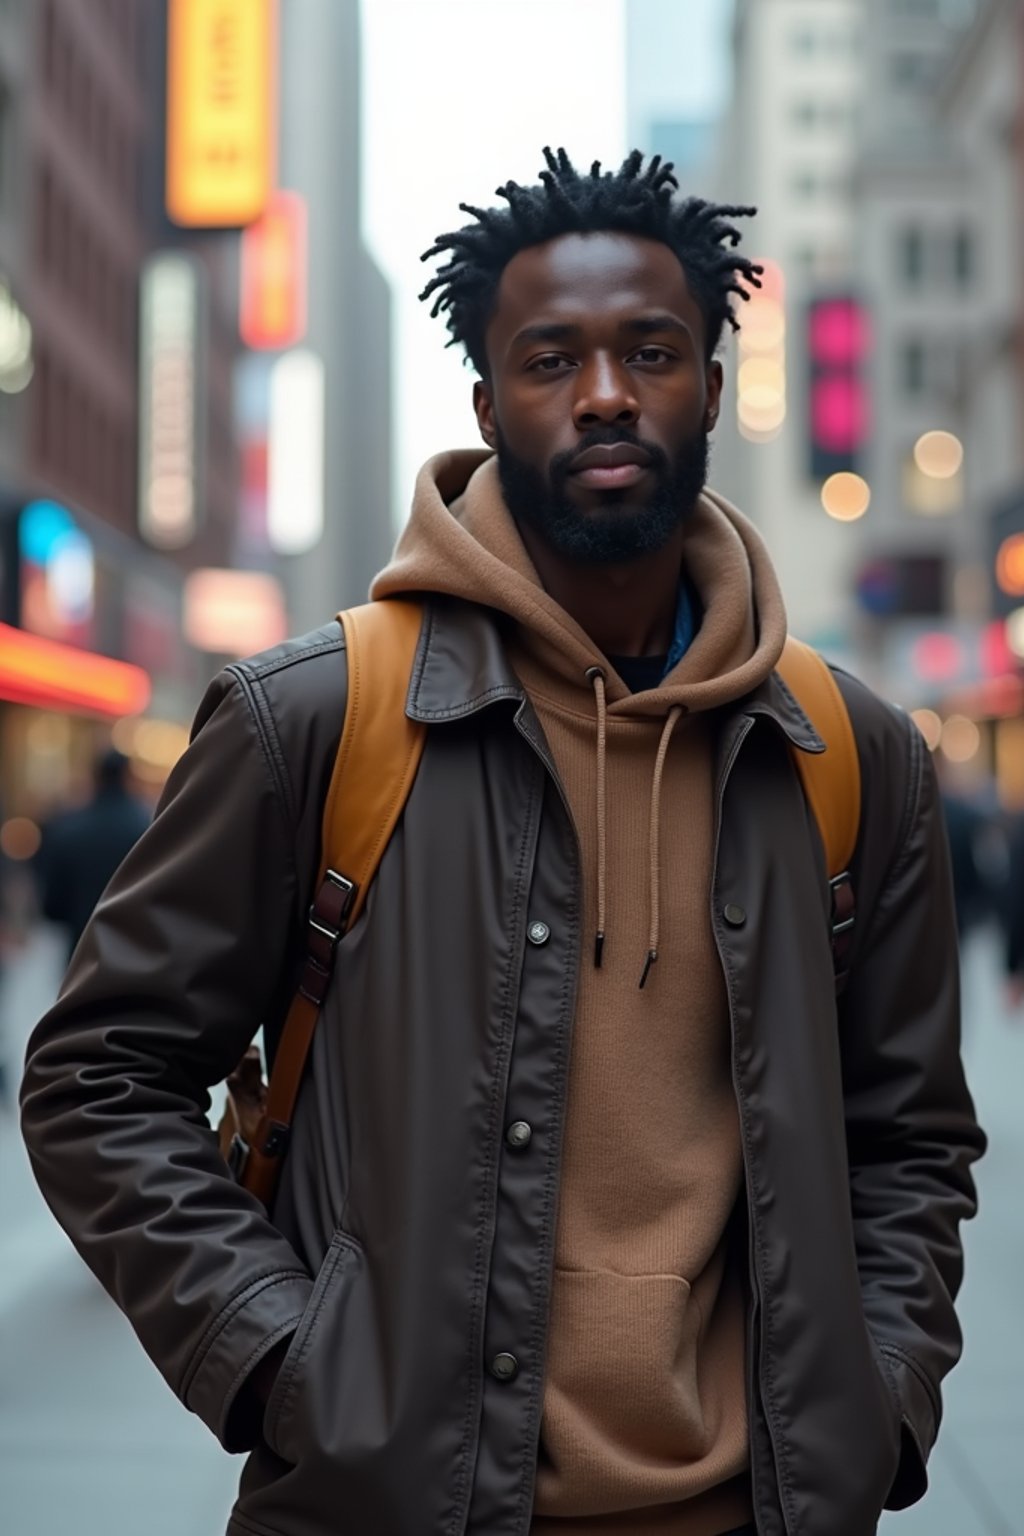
[
  {"x": 759, "y": 1376},
  {"x": 483, "y": 1262},
  {"x": 568, "y": 1001}
]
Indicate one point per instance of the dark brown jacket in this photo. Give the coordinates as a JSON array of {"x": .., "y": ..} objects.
[{"x": 411, "y": 1244}]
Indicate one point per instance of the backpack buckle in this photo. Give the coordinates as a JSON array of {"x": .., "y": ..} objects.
[
  {"x": 844, "y": 914},
  {"x": 329, "y": 912}
]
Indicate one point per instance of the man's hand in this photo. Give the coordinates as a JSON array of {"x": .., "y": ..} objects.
[
  {"x": 261, "y": 1379},
  {"x": 250, "y": 1405}
]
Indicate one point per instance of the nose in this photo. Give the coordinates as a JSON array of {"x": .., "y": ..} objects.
[{"x": 604, "y": 394}]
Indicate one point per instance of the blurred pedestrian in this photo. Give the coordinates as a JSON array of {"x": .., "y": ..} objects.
[
  {"x": 81, "y": 848},
  {"x": 965, "y": 826},
  {"x": 597, "y": 1210},
  {"x": 1013, "y": 908}
]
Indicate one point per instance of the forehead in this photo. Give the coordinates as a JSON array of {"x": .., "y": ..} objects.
[{"x": 595, "y": 275}]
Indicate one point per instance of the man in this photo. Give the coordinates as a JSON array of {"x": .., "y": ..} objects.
[
  {"x": 595, "y": 1216},
  {"x": 82, "y": 848}
]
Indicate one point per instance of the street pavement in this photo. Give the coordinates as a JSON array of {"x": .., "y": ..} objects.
[{"x": 92, "y": 1440}]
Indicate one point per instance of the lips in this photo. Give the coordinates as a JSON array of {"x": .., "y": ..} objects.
[
  {"x": 609, "y": 456},
  {"x": 610, "y": 467}
]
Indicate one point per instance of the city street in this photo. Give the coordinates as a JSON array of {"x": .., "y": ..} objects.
[{"x": 91, "y": 1439}]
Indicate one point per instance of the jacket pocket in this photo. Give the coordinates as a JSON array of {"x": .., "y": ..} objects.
[
  {"x": 622, "y": 1389},
  {"x": 329, "y": 1291}
]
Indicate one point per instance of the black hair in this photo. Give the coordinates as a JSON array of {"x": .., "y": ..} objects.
[{"x": 635, "y": 200}]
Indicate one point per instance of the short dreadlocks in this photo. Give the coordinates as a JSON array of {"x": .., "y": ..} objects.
[{"x": 636, "y": 200}]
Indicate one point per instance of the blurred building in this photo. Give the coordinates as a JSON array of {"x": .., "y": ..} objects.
[
  {"x": 81, "y": 139},
  {"x": 787, "y": 145},
  {"x": 933, "y": 249},
  {"x": 349, "y": 310},
  {"x": 143, "y": 441}
]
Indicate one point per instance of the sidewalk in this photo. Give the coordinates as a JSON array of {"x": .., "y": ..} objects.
[
  {"x": 91, "y": 1439},
  {"x": 977, "y": 1470}
]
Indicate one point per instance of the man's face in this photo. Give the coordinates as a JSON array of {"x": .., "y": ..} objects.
[{"x": 598, "y": 399}]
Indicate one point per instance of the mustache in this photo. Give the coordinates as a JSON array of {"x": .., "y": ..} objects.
[{"x": 607, "y": 437}]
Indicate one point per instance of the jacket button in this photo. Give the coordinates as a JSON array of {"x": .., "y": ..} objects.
[
  {"x": 538, "y": 933},
  {"x": 505, "y": 1367},
  {"x": 734, "y": 916},
  {"x": 519, "y": 1134}
]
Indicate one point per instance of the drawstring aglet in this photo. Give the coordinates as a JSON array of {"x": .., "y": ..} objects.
[
  {"x": 598, "y": 950},
  {"x": 652, "y": 955}
]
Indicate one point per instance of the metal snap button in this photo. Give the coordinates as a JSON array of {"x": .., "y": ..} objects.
[
  {"x": 519, "y": 1134},
  {"x": 505, "y": 1367},
  {"x": 538, "y": 933},
  {"x": 734, "y": 915}
]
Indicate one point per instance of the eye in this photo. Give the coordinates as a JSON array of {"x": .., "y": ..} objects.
[
  {"x": 652, "y": 355},
  {"x": 551, "y": 362}
]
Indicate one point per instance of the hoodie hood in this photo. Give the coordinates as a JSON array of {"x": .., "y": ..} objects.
[{"x": 462, "y": 541}]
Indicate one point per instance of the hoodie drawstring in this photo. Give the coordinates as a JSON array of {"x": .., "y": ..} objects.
[
  {"x": 596, "y": 677},
  {"x": 674, "y": 715}
]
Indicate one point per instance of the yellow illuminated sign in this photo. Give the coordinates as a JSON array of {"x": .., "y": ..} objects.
[{"x": 221, "y": 110}]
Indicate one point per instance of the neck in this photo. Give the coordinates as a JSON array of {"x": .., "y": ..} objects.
[{"x": 627, "y": 610}]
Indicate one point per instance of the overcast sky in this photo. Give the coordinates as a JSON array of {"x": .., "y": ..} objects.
[{"x": 459, "y": 95}]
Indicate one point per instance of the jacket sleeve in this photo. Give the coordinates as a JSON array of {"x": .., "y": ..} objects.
[
  {"x": 182, "y": 960},
  {"x": 1014, "y": 906},
  {"x": 911, "y": 1129}
]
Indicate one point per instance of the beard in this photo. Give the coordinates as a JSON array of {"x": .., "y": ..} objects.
[{"x": 618, "y": 529}]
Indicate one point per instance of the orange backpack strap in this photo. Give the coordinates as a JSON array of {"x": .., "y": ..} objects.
[
  {"x": 831, "y": 782},
  {"x": 378, "y": 755}
]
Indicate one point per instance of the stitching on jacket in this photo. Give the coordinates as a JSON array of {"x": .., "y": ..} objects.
[
  {"x": 227, "y": 1313},
  {"x": 902, "y": 852},
  {"x": 262, "y": 1348},
  {"x": 481, "y": 1263},
  {"x": 459, "y": 711},
  {"x": 918, "y": 1370},
  {"x": 780, "y": 1454},
  {"x": 310, "y": 1317},
  {"x": 261, "y": 669},
  {"x": 912, "y": 802},
  {"x": 540, "y": 1326},
  {"x": 270, "y": 742}
]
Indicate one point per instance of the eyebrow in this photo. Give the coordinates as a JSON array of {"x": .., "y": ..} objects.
[{"x": 642, "y": 325}]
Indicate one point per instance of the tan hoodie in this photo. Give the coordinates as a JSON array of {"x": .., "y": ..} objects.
[{"x": 644, "y": 1426}]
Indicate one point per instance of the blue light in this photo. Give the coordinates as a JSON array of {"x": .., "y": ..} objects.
[{"x": 41, "y": 527}]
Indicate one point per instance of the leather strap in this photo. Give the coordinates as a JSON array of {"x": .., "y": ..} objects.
[
  {"x": 831, "y": 779},
  {"x": 831, "y": 782},
  {"x": 378, "y": 755}
]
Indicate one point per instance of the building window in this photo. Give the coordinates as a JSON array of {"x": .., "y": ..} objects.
[
  {"x": 916, "y": 70},
  {"x": 963, "y": 257},
  {"x": 913, "y": 368},
  {"x": 911, "y": 255}
]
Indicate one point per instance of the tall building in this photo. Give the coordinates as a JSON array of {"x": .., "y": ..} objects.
[
  {"x": 349, "y": 322},
  {"x": 981, "y": 109},
  {"x": 921, "y": 199},
  {"x": 787, "y": 145},
  {"x": 81, "y": 183}
]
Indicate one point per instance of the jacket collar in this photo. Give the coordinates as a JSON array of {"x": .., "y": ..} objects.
[{"x": 461, "y": 667}]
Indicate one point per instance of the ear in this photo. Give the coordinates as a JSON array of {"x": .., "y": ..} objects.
[
  {"x": 483, "y": 405},
  {"x": 713, "y": 382}
]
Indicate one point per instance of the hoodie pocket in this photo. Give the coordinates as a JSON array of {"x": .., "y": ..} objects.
[
  {"x": 622, "y": 1389},
  {"x": 332, "y": 1284}
]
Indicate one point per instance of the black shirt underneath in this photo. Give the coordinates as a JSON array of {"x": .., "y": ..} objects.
[{"x": 640, "y": 673}]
